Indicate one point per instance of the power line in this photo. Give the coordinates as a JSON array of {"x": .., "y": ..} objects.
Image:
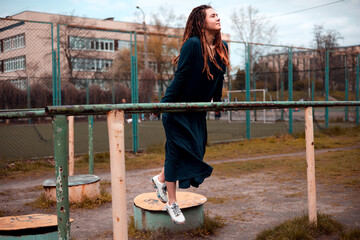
[{"x": 302, "y": 10}]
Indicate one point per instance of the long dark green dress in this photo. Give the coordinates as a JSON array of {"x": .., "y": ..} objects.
[{"x": 186, "y": 132}]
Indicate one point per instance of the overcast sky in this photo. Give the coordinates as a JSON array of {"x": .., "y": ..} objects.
[
  {"x": 294, "y": 19},
  {"x": 293, "y": 28}
]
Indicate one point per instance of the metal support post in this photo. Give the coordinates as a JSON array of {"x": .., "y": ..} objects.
[
  {"x": 28, "y": 97},
  {"x": 91, "y": 143},
  {"x": 90, "y": 134},
  {"x": 282, "y": 98},
  {"x": 346, "y": 90},
  {"x": 58, "y": 68},
  {"x": 327, "y": 87},
  {"x": 116, "y": 131},
  {"x": 290, "y": 87},
  {"x": 310, "y": 160},
  {"x": 134, "y": 93},
  {"x": 61, "y": 170},
  {"x": 247, "y": 86},
  {"x": 357, "y": 90}
]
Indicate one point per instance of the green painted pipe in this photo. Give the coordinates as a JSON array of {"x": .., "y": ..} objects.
[
  {"x": 61, "y": 170},
  {"x": 58, "y": 68},
  {"x": 346, "y": 90},
  {"x": 247, "y": 86},
  {"x": 28, "y": 113},
  {"x": 357, "y": 90},
  {"x": 91, "y": 143},
  {"x": 282, "y": 98},
  {"x": 101, "y": 109},
  {"x": 327, "y": 87},
  {"x": 290, "y": 88},
  {"x": 94, "y": 109}
]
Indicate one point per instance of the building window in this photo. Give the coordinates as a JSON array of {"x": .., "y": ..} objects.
[
  {"x": 83, "y": 43},
  {"x": 14, "y": 64},
  {"x": 86, "y": 64},
  {"x": 13, "y": 42},
  {"x": 19, "y": 83},
  {"x": 123, "y": 44},
  {"x": 84, "y": 83},
  {"x": 153, "y": 66}
]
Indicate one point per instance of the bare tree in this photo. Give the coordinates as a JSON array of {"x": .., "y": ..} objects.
[
  {"x": 68, "y": 46},
  {"x": 325, "y": 39},
  {"x": 252, "y": 27}
]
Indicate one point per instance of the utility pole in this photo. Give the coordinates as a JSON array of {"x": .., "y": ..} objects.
[{"x": 145, "y": 38}]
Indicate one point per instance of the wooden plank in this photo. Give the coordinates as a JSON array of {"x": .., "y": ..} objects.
[
  {"x": 31, "y": 221},
  {"x": 149, "y": 201}
]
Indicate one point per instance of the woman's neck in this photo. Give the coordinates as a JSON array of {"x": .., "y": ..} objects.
[{"x": 209, "y": 37}]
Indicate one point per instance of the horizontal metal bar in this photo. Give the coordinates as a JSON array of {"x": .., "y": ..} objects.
[
  {"x": 181, "y": 107},
  {"x": 98, "y": 109},
  {"x": 23, "y": 113}
]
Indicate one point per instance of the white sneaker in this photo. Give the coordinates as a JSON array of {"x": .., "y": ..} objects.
[
  {"x": 175, "y": 213},
  {"x": 160, "y": 189}
]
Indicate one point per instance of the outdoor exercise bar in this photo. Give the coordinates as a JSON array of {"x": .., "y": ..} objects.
[{"x": 116, "y": 128}]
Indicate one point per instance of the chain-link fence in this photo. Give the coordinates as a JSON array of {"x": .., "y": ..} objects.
[{"x": 65, "y": 63}]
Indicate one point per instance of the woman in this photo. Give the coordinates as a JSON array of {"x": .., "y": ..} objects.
[{"x": 199, "y": 78}]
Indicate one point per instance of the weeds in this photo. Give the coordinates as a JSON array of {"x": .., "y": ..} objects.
[
  {"x": 44, "y": 203},
  {"x": 301, "y": 228}
]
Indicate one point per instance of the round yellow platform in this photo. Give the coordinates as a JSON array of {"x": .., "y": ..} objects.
[
  {"x": 31, "y": 221},
  {"x": 149, "y": 201}
]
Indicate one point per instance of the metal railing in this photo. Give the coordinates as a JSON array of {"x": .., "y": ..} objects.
[{"x": 115, "y": 118}]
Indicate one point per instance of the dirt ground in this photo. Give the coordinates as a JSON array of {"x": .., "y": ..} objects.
[{"x": 253, "y": 202}]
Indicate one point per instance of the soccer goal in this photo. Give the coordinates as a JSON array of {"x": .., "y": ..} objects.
[{"x": 268, "y": 115}]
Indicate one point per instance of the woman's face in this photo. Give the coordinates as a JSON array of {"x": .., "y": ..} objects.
[{"x": 212, "y": 21}]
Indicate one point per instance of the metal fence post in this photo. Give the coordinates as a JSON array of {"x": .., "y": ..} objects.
[
  {"x": 116, "y": 131},
  {"x": 247, "y": 86},
  {"x": 327, "y": 87},
  {"x": 282, "y": 97},
  {"x": 134, "y": 93},
  {"x": 58, "y": 78},
  {"x": 310, "y": 160},
  {"x": 91, "y": 143},
  {"x": 313, "y": 91},
  {"x": 346, "y": 90},
  {"x": 90, "y": 134},
  {"x": 357, "y": 89},
  {"x": 28, "y": 95},
  {"x": 61, "y": 170},
  {"x": 290, "y": 87}
]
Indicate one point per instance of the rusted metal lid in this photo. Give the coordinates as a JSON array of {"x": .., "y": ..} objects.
[
  {"x": 31, "y": 221},
  {"x": 74, "y": 180},
  {"x": 149, "y": 201}
]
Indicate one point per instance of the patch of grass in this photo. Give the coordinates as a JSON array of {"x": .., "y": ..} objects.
[
  {"x": 22, "y": 167},
  {"x": 340, "y": 167},
  {"x": 208, "y": 228},
  {"x": 44, "y": 203},
  {"x": 351, "y": 234},
  {"x": 97, "y": 202},
  {"x": 301, "y": 228}
]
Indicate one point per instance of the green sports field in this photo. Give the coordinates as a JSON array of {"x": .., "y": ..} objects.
[{"x": 25, "y": 141}]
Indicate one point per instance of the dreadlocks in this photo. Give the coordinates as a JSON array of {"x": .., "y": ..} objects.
[{"x": 194, "y": 27}]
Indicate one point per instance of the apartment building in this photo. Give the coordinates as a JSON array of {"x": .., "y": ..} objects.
[
  {"x": 310, "y": 63},
  {"x": 92, "y": 51}
]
